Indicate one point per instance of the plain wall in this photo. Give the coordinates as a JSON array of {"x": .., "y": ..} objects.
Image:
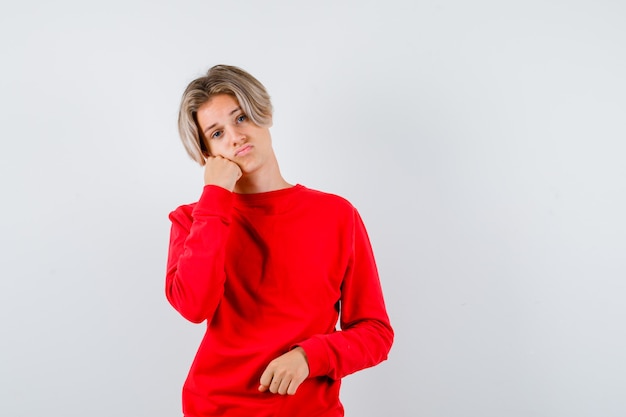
[{"x": 482, "y": 142}]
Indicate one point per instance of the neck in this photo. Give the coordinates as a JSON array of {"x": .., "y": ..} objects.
[{"x": 261, "y": 182}]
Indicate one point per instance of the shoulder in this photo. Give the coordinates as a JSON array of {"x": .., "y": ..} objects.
[
  {"x": 182, "y": 214},
  {"x": 321, "y": 199},
  {"x": 324, "y": 197}
]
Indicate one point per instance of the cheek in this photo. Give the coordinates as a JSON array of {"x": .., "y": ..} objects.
[
  {"x": 210, "y": 145},
  {"x": 216, "y": 148}
]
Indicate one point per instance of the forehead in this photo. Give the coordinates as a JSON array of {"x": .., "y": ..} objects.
[
  {"x": 217, "y": 109},
  {"x": 219, "y": 103}
]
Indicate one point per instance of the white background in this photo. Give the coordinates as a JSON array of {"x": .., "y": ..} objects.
[{"x": 482, "y": 142}]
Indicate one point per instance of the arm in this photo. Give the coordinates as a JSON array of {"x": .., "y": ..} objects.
[
  {"x": 194, "y": 283},
  {"x": 195, "y": 268},
  {"x": 366, "y": 336}
]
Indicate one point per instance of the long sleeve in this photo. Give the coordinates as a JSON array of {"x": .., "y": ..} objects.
[
  {"x": 195, "y": 274},
  {"x": 270, "y": 271},
  {"x": 366, "y": 336}
]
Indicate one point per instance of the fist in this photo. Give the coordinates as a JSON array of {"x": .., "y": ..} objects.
[
  {"x": 221, "y": 172},
  {"x": 284, "y": 374}
]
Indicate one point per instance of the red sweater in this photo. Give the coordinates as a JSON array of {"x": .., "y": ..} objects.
[{"x": 269, "y": 272}]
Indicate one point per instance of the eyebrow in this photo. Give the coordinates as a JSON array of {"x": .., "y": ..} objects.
[{"x": 215, "y": 124}]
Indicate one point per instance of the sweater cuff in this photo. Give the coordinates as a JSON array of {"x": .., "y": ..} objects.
[
  {"x": 317, "y": 356},
  {"x": 214, "y": 201}
]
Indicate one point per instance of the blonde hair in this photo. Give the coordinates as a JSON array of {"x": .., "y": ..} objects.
[{"x": 220, "y": 79}]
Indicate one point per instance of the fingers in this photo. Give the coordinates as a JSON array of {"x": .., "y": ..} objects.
[
  {"x": 221, "y": 171},
  {"x": 292, "y": 388},
  {"x": 275, "y": 382},
  {"x": 281, "y": 385},
  {"x": 266, "y": 379},
  {"x": 285, "y": 374}
]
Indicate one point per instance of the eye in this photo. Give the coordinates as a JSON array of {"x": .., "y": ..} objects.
[
  {"x": 242, "y": 118},
  {"x": 217, "y": 134}
]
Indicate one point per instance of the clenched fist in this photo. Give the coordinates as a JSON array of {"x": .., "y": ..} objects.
[
  {"x": 222, "y": 172},
  {"x": 284, "y": 374}
]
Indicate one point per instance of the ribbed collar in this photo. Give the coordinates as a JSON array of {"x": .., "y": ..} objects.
[{"x": 270, "y": 202}]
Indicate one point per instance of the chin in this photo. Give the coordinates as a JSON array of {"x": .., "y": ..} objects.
[{"x": 247, "y": 169}]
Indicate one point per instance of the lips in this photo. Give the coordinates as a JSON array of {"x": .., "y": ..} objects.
[{"x": 243, "y": 150}]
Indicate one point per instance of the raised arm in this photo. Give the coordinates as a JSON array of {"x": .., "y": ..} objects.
[{"x": 195, "y": 277}]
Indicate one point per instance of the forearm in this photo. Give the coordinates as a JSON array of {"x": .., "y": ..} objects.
[
  {"x": 367, "y": 335},
  {"x": 195, "y": 273},
  {"x": 342, "y": 353}
]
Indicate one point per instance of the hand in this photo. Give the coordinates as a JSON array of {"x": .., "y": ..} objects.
[
  {"x": 285, "y": 374},
  {"x": 222, "y": 172}
]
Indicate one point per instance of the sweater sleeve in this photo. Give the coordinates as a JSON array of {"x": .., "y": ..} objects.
[
  {"x": 195, "y": 275},
  {"x": 366, "y": 334}
]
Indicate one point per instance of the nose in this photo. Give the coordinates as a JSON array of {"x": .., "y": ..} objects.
[{"x": 235, "y": 136}]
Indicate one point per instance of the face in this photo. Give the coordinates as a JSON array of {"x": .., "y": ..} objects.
[{"x": 229, "y": 133}]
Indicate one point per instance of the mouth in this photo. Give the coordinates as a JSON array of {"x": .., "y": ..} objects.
[{"x": 243, "y": 150}]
